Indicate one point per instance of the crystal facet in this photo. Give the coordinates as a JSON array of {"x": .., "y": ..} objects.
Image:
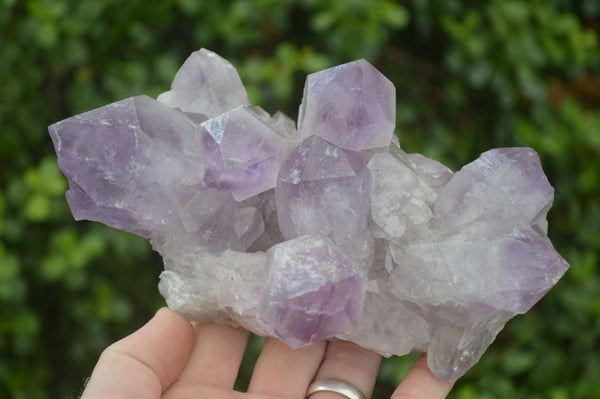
[
  {"x": 351, "y": 105},
  {"x": 328, "y": 230},
  {"x": 313, "y": 291},
  {"x": 245, "y": 152},
  {"x": 503, "y": 184},
  {"x": 323, "y": 189},
  {"x": 205, "y": 86},
  {"x": 128, "y": 164}
]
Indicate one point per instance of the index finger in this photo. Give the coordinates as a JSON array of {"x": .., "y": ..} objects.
[{"x": 146, "y": 362}]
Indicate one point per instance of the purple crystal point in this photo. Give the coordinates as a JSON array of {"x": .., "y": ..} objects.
[
  {"x": 471, "y": 282},
  {"x": 128, "y": 163},
  {"x": 246, "y": 152},
  {"x": 313, "y": 291},
  {"x": 503, "y": 183},
  {"x": 206, "y": 85},
  {"x": 350, "y": 105},
  {"x": 482, "y": 268},
  {"x": 325, "y": 190}
]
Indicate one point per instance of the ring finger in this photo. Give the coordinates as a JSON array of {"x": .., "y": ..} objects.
[{"x": 348, "y": 362}]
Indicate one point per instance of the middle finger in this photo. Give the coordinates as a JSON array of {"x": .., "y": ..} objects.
[{"x": 281, "y": 371}]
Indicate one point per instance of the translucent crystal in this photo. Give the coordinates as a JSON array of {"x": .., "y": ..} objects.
[
  {"x": 313, "y": 291},
  {"x": 244, "y": 152},
  {"x": 503, "y": 183},
  {"x": 471, "y": 282},
  {"x": 215, "y": 287},
  {"x": 128, "y": 164},
  {"x": 327, "y": 231},
  {"x": 324, "y": 190},
  {"x": 401, "y": 201},
  {"x": 206, "y": 85},
  {"x": 388, "y": 326},
  {"x": 351, "y": 105}
]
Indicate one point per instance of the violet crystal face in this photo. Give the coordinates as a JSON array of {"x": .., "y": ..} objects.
[
  {"x": 313, "y": 290},
  {"x": 328, "y": 230},
  {"x": 247, "y": 150},
  {"x": 353, "y": 106}
]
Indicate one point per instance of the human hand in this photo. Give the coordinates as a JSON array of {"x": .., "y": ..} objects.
[{"x": 169, "y": 358}]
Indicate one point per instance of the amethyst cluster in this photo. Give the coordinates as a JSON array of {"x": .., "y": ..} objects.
[{"x": 320, "y": 231}]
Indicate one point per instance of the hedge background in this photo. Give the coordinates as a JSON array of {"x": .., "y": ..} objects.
[{"x": 470, "y": 75}]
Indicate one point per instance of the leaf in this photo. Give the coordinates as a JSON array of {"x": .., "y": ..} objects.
[
  {"x": 395, "y": 15},
  {"x": 37, "y": 208}
]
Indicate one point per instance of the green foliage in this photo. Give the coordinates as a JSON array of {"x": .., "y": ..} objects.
[{"x": 469, "y": 76}]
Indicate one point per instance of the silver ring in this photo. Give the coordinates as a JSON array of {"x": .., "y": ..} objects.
[{"x": 335, "y": 385}]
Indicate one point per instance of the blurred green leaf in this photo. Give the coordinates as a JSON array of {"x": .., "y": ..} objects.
[
  {"x": 37, "y": 207},
  {"x": 518, "y": 361}
]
